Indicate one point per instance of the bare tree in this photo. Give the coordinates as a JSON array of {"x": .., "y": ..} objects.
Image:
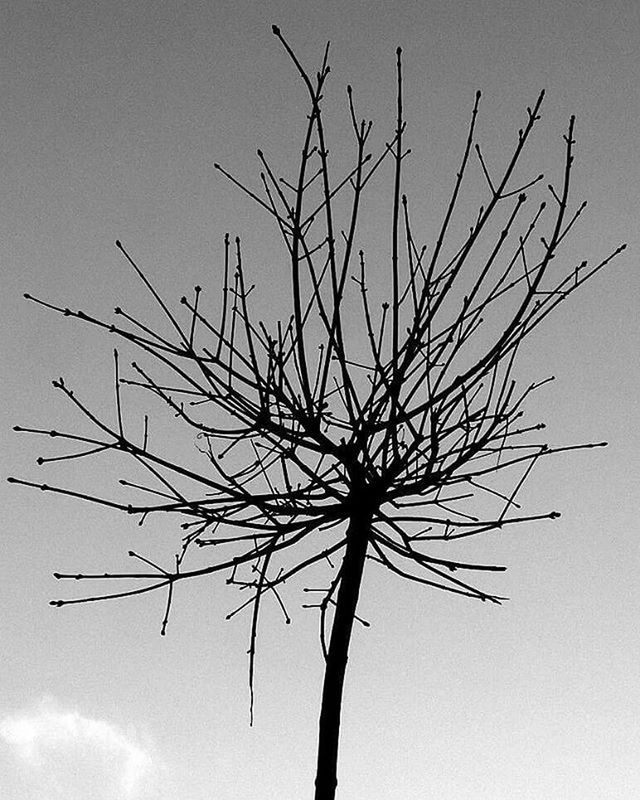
[{"x": 356, "y": 450}]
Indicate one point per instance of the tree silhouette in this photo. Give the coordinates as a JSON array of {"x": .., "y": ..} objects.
[{"x": 317, "y": 446}]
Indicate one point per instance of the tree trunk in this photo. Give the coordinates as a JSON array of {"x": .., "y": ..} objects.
[{"x": 329, "y": 729}]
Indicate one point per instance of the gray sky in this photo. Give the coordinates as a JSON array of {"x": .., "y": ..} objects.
[{"x": 113, "y": 114}]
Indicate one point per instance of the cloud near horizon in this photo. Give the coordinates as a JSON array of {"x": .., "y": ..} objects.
[{"x": 64, "y": 754}]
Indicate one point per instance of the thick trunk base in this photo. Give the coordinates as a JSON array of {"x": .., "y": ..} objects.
[{"x": 346, "y": 603}]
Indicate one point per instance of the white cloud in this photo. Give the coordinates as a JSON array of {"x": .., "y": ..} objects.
[{"x": 66, "y": 755}]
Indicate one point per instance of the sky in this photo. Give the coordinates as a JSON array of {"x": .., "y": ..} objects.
[{"x": 113, "y": 115}]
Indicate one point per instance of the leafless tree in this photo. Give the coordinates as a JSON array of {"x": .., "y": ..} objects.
[{"x": 369, "y": 450}]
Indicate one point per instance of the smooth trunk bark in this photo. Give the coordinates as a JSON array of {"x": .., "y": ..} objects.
[{"x": 347, "y": 600}]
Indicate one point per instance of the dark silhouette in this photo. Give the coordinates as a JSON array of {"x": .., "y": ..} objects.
[{"x": 368, "y": 448}]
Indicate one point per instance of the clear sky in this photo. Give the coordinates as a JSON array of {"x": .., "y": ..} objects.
[{"x": 112, "y": 116}]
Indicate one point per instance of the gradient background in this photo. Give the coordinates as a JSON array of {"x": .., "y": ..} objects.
[{"x": 112, "y": 116}]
